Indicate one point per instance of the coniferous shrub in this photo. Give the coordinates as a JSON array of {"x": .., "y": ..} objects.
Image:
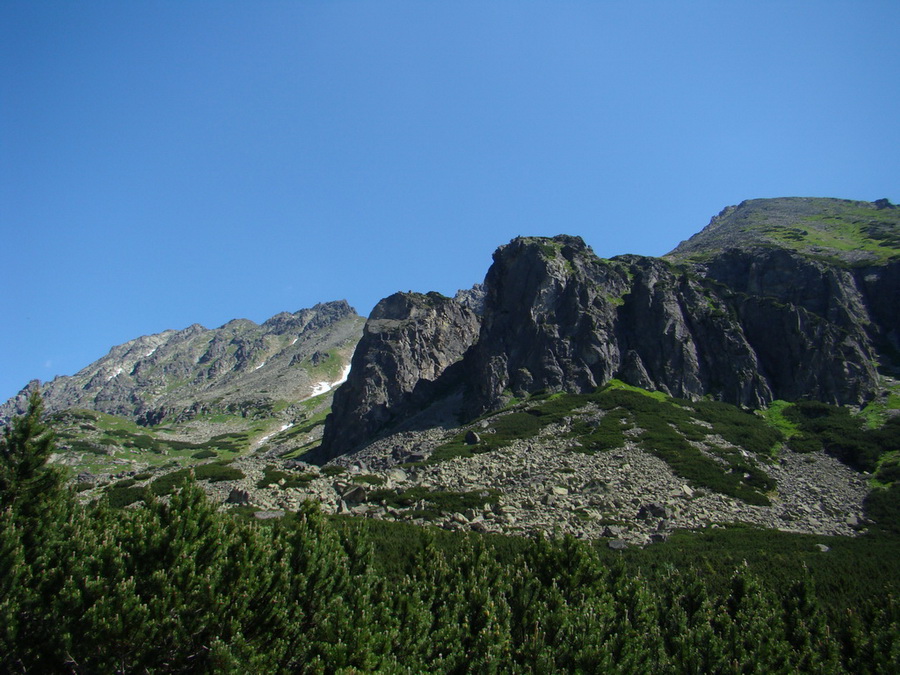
[{"x": 181, "y": 587}]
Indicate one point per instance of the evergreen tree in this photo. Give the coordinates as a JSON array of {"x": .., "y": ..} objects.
[{"x": 27, "y": 484}]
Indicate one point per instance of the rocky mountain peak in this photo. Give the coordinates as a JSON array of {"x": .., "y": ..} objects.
[
  {"x": 409, "y": 342},
  {"x": 194, "y": 371},
  {"x": 775, "y": 299},
  {"x": 839, "y": 231}
]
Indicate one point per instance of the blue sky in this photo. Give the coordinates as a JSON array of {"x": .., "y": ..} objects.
[{"x": 169, "y": 163}]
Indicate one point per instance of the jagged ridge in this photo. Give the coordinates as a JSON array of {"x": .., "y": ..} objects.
[
  {"x": 745, "y": 323},
  {"x": 240, "y": 367}
]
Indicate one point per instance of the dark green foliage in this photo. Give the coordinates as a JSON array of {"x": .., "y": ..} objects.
[
  {"x": 435, "y": 503},
  {"x": 205, "y": 454},
  {"x": 168, "y": 483},
  {"x": 842, "y": 434},
  {"x": 738, "y": 427},
  {"x": 214, "y": 472},
  {"x": 27, "y": 485},
  {"x": 368, "y": 479},
  {"x": 804, "y": 442},
  {"x": 667, "y": 426},
  {"x": 889, "y": 471},
  {"x": 233, "y": 442},
  {"x": 882, "y": 506},
  {"x": 272, "y": 476},
  {"x": 120, "y": 497},
  {"x": 180, "y": 587}
]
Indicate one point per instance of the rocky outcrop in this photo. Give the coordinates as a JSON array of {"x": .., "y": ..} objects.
[
  {"x": 237, "y": 368},
  {"x": 745, "y": 325},
  {"x": 400, "y": 365},
  {"x": 556, "y": 317}
]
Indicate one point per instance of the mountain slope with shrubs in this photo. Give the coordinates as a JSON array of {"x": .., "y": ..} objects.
[{"x": 177, "y": 586}]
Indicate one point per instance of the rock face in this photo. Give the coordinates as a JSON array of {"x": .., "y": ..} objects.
[
  {"x": 775, "y": 299},
  {"x": 559, "y": 318},
  {"x": 180, "y": 374},
  {"x": 409, "y": 343}
]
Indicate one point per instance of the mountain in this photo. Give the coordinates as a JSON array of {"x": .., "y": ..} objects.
[
  {"x": 775, "y": 299},
  {"x": 239, "y": 368},
  {"x": 745, "y": 377}
]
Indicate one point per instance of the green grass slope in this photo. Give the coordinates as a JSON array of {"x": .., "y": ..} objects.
[{"x": 839, "y": 230}]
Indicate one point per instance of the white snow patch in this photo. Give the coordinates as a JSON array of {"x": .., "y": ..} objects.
[
  {"x": 260, "y": 365},
  {"x": 295, "y": 340},
  {"x": 265, "y": 438},
  {"x": 320, "y": 388},
  {"x": 150, "y": 353},
  {"x": 118, "y": 372}
]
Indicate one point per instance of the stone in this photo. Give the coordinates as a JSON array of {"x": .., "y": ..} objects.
[
  {"x": 472, "y": 438},
  {"x": 355, "y": 494},
  {"x": 409, "y": 353},
  {"x": 237, "y": 496},
  {"x": 397, "y": 475},
  {"x": 618, "y": 544}
]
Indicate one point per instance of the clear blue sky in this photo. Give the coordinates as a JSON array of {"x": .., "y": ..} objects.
[{"x": 169, "y": 163}]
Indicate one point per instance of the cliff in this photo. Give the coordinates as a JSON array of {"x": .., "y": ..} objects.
[{"x": 775, "y": 299}]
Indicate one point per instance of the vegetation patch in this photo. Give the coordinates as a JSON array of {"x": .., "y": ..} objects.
[
  {"x": 598, "y": 421},
  {"x": 841, "y": 434},
  {"x": 179, "y": 586},
  {"x": 118, "y": 496},
  {"x": 274, "y": 476},
  {"x": 214, "y": 473},
  {"x": 429, "y": 504}
]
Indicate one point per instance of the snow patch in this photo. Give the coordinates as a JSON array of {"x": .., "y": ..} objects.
[
  {"x": 320, "y": 388},
  {"x": 150, "y": 353},
  {"x": 265, "y": 438},
  {"x": 118, "y": 372},
  {"x": 260, "y": 365},
  {"x": 295, "y": 340}
]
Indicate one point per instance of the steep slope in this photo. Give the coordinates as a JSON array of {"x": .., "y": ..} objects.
[
  {"x": 751, "y": 310},
  {"x": 241, "y": 368},
  {"x": 409, "y": 342},
  {"x": 840, "y": 231},
  {"x": 836, "y": 258}
]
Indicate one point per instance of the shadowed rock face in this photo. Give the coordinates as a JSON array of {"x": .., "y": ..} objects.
[
  {"x": 408, "y": 343},
  {"x": 556, "y": 317},
  {"x": 745, "y": 324}
]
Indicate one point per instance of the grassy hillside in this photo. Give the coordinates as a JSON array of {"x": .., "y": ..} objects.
[{"x": 843, "y": 231}]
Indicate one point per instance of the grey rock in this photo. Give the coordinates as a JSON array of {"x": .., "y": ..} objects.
[
  {"x": 237, "y": 496},
  {"x": 354, "y": 495},
  {"x": 161, "y": 375},
  {"x": 400, "y": 365}
]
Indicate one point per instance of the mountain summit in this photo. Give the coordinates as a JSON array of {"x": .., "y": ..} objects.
[
  {"x": 240, "y": 367},
  {"x": 776, "y": 299}
]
